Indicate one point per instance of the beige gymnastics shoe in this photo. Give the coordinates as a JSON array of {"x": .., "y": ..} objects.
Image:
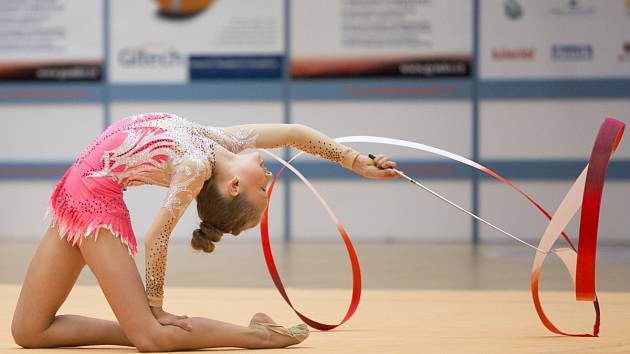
[{"x": 299, "y": 332}]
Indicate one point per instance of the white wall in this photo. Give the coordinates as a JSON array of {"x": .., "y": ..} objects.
[
  {"x": 48, "y": 132},
  {"x": 546, "y": 129}
]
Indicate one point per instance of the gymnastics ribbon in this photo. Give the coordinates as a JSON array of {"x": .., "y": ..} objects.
[
  {"x": 585, "y": 192},
  {"x": 271, "y": 265}
]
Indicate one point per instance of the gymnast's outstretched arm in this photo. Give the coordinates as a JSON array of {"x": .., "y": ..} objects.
[{"x": 314, "y": 142}]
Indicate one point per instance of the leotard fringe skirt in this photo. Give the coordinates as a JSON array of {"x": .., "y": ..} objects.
[{"x": 81, "y": 205}]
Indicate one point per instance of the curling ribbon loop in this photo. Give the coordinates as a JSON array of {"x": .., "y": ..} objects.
[
  {"x": 580, "y": 264},
  {"x": 586, "y": 192},
  {"x": 271, "y": 266}
]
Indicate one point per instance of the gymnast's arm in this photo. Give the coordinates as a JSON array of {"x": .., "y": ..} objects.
[
  {"x": 186, "y": 182},
  {"x": 314, "y": 142}
]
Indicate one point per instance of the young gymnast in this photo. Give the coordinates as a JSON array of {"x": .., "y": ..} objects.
[{"x": 194, "y": 162}]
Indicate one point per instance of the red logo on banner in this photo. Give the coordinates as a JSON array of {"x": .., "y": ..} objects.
[{"x": 501, "y": 54}]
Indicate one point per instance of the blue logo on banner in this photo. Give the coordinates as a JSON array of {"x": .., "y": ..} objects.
[
  {"x": 204, "y": 67},
  {"x": 572, "y": 52}
]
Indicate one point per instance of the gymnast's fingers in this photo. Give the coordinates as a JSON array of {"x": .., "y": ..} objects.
[
  {"x": 386, "y": 173},
  {"x": 380, "y": 159},
  {"x": 389, "y": 164},
  {"x": 180, "y": 323}
]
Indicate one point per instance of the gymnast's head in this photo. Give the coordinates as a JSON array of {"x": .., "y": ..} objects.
[{"x": 231, "y": 200}]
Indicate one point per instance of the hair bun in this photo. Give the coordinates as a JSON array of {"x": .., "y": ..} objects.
[
  {"x": 200, "y": 242},
  {"x": 212, "y": 232},
  {"x": 204, "y": 236}
]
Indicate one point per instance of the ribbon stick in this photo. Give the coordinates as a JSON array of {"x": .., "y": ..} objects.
[
  {"x": 403, "y": 175},
  {"x": 585, "y": 192}
]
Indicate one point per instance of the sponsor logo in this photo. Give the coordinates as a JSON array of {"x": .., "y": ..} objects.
[
  {"x": 625, "y": 54},
  {"x": 436, "y": 68},
  {"x": 572, "y": 52},
  {"x": 513, "y": 10},
  {"x": 505, "y": 54},
  {"x": 77, "y": 72},
  {"x": 572, "y": 8},
  {"x": 150, "y": 56},
  {"x": 207, "y": 67}
]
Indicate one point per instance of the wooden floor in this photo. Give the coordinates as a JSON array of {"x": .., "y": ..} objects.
[{"x": 417, "y": 298}]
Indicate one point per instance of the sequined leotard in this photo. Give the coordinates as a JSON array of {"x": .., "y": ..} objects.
[{"x": 166, "y": 150}]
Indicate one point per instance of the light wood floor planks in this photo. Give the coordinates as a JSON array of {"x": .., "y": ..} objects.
[{"x": 418, "y": 298}]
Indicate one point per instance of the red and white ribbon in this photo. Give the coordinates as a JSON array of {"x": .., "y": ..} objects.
[{"x": 586, "y": 192}]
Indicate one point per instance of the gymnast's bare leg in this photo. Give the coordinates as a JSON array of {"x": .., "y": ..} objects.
[{"x": 52, "y": 274}]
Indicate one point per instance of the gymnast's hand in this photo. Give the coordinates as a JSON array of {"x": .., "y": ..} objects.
[
  {"x": 380, "y": 167},
  {"x": 166, "y": 318}
]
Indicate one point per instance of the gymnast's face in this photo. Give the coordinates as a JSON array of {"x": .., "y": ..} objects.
[{"x": 252, "y": 179}]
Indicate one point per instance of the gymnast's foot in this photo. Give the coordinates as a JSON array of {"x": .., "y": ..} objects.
[{"x": 279, "y": 337}]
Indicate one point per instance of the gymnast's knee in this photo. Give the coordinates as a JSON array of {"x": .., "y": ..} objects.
[
  {"x": 146, "y": 345},
  {"x": 150, "y": 340},
  {"x": 24, "y": 335}
]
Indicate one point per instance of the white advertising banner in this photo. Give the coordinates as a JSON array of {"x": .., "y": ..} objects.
[
  {"x": 154, "y": 41},
  {"x": 380, "y": 38},
  {"x": 51, "y": 40},
  {"x": 532, "y": 39}
]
